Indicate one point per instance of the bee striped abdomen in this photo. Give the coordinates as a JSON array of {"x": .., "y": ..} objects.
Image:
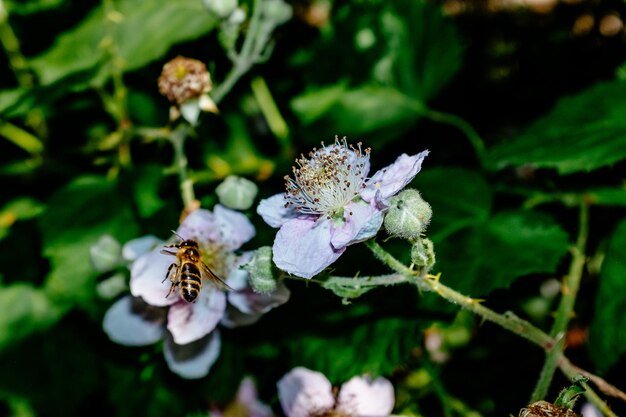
[{"x": 190, "y": 281}]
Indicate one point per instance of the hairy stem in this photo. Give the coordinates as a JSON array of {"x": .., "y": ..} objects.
[
  {"x": 178, "y": 138},
  {"x": 508, "y": 321},
  {"x": 571, "y": 284},
  {"x": 245, "y": 59}
]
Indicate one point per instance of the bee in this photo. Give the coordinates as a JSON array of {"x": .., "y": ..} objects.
[{"x": 186, "y": 273}]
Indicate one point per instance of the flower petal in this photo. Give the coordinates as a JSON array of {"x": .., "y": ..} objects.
[
  {"x": 199, "y": 225},
  {"x": 302, "y": 246},
  {"x": 274, "y": 212},
  {"x": 146, "y": 279},
  {"x": 133, "y": 249},
  {"x": 305, "y": 393},
  {"x": 194, "y": 360},
  {"x": 361, "y": 396},
  {"x": 248, "y": 397},
  {"x": 247, "y": 307},
  {"x": 362, "y": 221},
  {"x": 125, "y": 324},
  {"x": 395, "y": 177},
  {"x": 234, "y": 227},
  {"x": 189, "y": 322}
]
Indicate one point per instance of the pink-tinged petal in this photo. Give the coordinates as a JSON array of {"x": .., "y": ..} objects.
[
  {"x": 131, "y": 322},
  {"x": 194, "y": 360},
  {"x": 234, "y": 227},
  {"x": 235, "y": 318},
  {"x": 133, "y": 249},
  {"x": 248, "y": 397},
  {"x": 361, "y": 396},
  {"x": 302, "y": 246},
  {"x": 146, "y": 279},
  {"x": 395, "y": 177},
  {"x": 304, "y": 393},
  {"x": 250, "y": 302},
  {"x": 199, "y": 225},
  {"x": 274, "y": 212},
  {"x": 362, "y": 221},
  {"x": 189, "y": 322},
  {"x": 238, "y": 278}
]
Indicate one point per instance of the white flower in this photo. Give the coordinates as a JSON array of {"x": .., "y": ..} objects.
[{"x": 306, "y": 393}]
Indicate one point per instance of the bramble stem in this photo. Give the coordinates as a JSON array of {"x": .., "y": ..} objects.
[
  {"x": 177, "y": 138},
  {"x": 508, "y": 320},
  {"x": 570, "y": 288},
  {"x": 244, "y": 60}
]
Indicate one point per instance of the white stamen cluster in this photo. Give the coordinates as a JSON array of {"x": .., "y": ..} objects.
[{"x": 328, "y": 179}]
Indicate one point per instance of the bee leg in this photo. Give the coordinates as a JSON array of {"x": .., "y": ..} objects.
[
  {"x": 173, "y": 278},
  {"x": 169, "y": 269},
  {"x": 167, "y": 252}
]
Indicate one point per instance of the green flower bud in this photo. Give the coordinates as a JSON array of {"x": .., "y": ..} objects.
[
  {"x": 261, "y": 270},
  {"x": 423, "y": 253},
  {"x": 408, "y": 215},
  {"x": 277, "y": 11},
  {"x": 222, "y": 8},
  {"x": 112, "y": 286},
  {"x": 236, "y": 192},
  {"x": 106, "y": 254}
]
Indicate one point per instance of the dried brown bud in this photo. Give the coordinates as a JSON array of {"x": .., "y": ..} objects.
[
  {"x": 183, "y": 79},
  {"x": 546, "y": 409}
]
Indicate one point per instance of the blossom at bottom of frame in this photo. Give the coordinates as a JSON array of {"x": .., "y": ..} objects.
[{"x": 305, "y": 393}]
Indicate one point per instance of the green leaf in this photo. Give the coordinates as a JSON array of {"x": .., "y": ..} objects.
[
  {"x": 25, "y": 309},
  {"x": 357, "y": 111},
  {"x": 376, "y": 347},
  {"x": 142, "y": 31},
  {"x": 507, "y": 246},
  {"x": 459, "y": 198},
  {"x": 582, "y": 133},
  {"x": 423, "y": 49},
  {"x": 607, "y": 196},
  {"x": 607, "y": 339},
  {"x": 146, "y": 188},
  {"x": 77, "y": 216}
]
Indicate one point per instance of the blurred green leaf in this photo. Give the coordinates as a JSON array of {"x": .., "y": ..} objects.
[
  {"x": 423, "y": 52},
  {"x": 607, "y": 196},
  {"x": 582, "y": 133},
  {"x": 32, "y": 6},
  {"x": 25, "y": 309},
  {"x": 357, "y": 111},
  {"x": 12, "y": 102},
  {"x": 459, "y": 198},
  {"x": 142, "y": 31},
  {"x": 77, "y": 216},
  {"x": 607, "y": 339},
  {"x": 423, "y": 49},
  {"x": 375, "y": 347},
  {"x": 58, "y": 360},
  {"x": 146, "y": 187},
  {"x": 494, "y": 254}
]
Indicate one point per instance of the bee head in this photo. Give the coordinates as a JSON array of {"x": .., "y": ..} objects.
[{"x": 188, "y": 244}]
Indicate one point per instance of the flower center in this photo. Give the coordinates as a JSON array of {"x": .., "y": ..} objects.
[{"x": 328, "y": 179}]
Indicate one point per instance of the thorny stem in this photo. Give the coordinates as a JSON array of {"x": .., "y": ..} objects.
[
  {"x": 507, "y": 320},
  {"x": 570, "y": 288}
]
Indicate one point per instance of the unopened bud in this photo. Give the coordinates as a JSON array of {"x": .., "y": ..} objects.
[
  {"x": 236, "y": 192},
  {"x": 222, "y": 8},
  {"x": 277, "y": 11},
  {"x": 261, "y": 270},
  {"x": 408, "y": 215},
  {"x": 423, "y": 253},
  {"x": 106, "y": 254}
]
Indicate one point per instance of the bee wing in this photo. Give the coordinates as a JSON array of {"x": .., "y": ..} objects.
[{"x": 215, "y": 279}]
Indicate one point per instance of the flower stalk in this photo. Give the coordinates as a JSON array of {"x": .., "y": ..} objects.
[{"x": 571, "y": 284}]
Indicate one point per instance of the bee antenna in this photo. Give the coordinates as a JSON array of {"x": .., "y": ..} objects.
[{"x": 177, "y": 235}]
